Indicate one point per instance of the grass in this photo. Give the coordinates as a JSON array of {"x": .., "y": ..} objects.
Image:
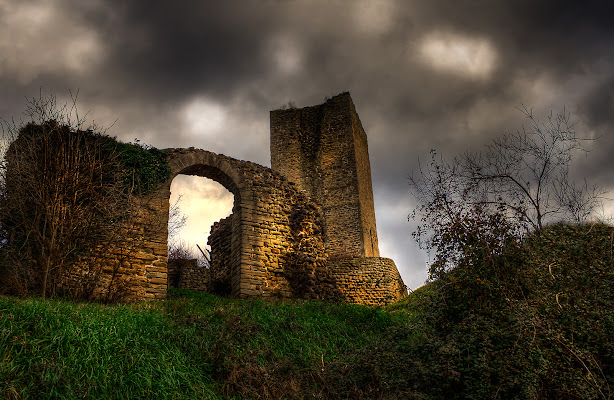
[
  {"x": 193, "y": 345},
  {"x": 55, "y": 349}
]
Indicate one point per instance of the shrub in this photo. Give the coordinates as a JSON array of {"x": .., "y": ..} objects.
[{"x": 534, "y": 322}]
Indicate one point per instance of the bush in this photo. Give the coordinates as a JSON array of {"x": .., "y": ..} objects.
[{"x": 533, "y": 323}]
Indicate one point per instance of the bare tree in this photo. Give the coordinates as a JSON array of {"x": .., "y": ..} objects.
[
  {"x": 176, "y": 219},
  {"x": 526, "y": 174},
  {"x": 59, "y": 193},
  {"x": 519, "y": 183}
]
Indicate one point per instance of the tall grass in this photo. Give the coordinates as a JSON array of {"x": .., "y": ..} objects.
[{"x": 56, "y": 349}]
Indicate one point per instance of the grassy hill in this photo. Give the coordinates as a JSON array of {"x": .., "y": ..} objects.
[{"x": 535, "y": 323}]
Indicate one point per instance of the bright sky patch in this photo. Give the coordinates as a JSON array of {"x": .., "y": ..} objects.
[
  {"x": 374, "y": 17},
  {"x": 203, "y": 202},
  {"x": 472, "y": 57},
  {"x": 287, "y": 54},
  {"x": 204, "y": 117}
]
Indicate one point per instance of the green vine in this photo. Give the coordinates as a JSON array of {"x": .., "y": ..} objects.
[{"x": 143, "y": 167}]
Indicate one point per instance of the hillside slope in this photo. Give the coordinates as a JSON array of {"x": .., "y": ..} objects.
[{"x": 535, "y": 323}]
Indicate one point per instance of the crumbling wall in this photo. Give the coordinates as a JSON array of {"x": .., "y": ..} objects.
[
  {"x": 275, "y": 235},
  {"x": 220, "y": 241},
  {"x": 215, "y": 278},
  {"x": 307, "y": 269},
  {"x": 255, "y": 246},
  {"x": 315, "y": 205},
  {"x": 134, "y": 269}
]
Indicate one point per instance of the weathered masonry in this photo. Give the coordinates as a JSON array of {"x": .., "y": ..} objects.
[
  {"x": 323, "y": 149},
  {"x": 303, "y": 228}
]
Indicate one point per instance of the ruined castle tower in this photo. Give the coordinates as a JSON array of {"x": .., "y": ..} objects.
[
  {"x": 323, "y": 149},
  {"x": 310, "y": 234}
]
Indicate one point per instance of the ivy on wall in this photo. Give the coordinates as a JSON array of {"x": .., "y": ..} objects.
[{"x": 143, "y": 167}]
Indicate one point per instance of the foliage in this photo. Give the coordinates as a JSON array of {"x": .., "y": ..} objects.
[
  {"x": 59, "y": 197},
  {"x": 516, "y": 308},
  {"x": 143, "y": 167},
  {"x": 533, "y": 322}
]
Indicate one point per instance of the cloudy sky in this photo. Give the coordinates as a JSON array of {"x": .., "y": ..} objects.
[{"x": 448, "y": 75}]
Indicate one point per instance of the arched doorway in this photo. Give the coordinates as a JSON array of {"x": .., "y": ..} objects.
[
  {"x": 223, "y": 276},
  {"x": 196, "y": 203},
  {"x": 261, "y": 236}
]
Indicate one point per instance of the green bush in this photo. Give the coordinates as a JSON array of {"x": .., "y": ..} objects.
[{"x": 142, "y": 167}]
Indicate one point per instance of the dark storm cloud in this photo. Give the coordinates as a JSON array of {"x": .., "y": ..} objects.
[
  {"x": 156, "y": 66},
  {"x": 598, "y": 104},
  {"x": 556, "y": 36},
  {"x": 184, "y": 48},
  {"x": 558, "y": 41}
]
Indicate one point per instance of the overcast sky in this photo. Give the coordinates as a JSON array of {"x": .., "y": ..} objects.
[{"x": 447, "y": 75}]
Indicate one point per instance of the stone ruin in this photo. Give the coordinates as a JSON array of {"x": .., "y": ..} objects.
[{"x": 304, "y": 228}]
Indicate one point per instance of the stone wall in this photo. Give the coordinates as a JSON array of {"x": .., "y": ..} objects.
[
  {"x": 191, "y": 275},
  {"x": 220, "y": 242},
  {"x": 133, "y": 268},
  {"x": 142, "y": 271},
  {"x": 258, "y": 242},
  {"x": 216, "y": 278},
  {"x": 307, "y": 268}
]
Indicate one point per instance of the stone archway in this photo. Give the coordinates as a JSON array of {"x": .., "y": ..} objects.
[
  {"x": 282, "y": 233},
  {"x": 230, "y": 174},
  {"x": 276, "y": 235},
  {"x": 260, "y": 234}
]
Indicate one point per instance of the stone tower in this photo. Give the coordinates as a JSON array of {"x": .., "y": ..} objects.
[{"x": 323, "y": 149}]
